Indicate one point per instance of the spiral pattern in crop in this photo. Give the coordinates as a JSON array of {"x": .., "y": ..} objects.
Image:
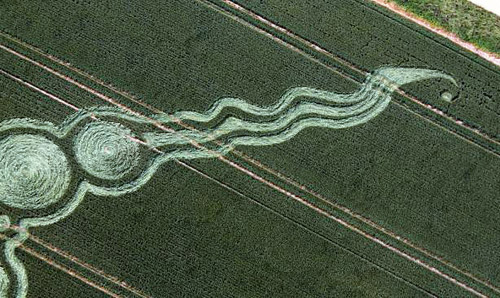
[
  {"x": 34, "y": 172},
  {"x": 105, "y": 150}
]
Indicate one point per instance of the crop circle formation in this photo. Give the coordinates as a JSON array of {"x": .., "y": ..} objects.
[
  {"x": 105, "y": 150},
  {"x": 34, "y": 172}
]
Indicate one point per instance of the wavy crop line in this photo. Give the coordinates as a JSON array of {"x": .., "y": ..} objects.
[
  {"x": 73, "y": 121},
  {"x": 132, "y": 187},
  {"x": 259, "y": 164},
  {"x": 61, "y": 131},
  {"x": 16, "y": 265},
  {"x": 164, "y": 128},
  {"x": 312, "y": 46},
  {"x": 21, "y": 272},
  {"x": 187, "y": 154},
  {"x": 49, "y": 127},
  {"x": 370, "y": 101},
  {"x": 86, "y": 187},
  {"x": 413, "y": 259},
  {"x": 367, "y": 106},
  {"x": 11, "y": 245},
  {"x": 338, "y": 111},
  {"x": 283, "y": 30},
  {"x": 49, "y": 246}
]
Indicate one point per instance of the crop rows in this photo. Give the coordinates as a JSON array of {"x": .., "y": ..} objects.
[{"x": 196, "y": 70}]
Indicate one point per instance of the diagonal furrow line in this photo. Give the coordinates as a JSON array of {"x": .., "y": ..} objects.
[
  {"x": 31, "y": 86},
  {"x": 68, "y": 271},
  {"x": 63, "y": 63},
  {"x": 94, "y": 92},
  {"x": 309, "y": 230},
  {"x": 51, "y": 247},
  {"x": 308, "y": 56},
  {"x": 64, "y": 102},
  {"x": 246, "y": 171},
  {"x": 65, "y": 269},
  {"x": 268, "y": 169},
  {"x": 316, "y": 48},
  {"x": 87, "y": 266},
  {"x": 365, "y": 220},
  {"x": 355, "y": 229},
  {"x": 353, "y": 67},
  {"x": 323, "y": 51},
  {"x": 61, "y": 252},
  {"x": 491, "y": 57},
  {"x": 57, "y": 250},
  {"x": 289, "y": 33},
  {"x": 68, "y": 79}
]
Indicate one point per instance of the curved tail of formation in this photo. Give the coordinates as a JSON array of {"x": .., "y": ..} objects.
[
  {"x": 297, "y": 109},
  {"x": 102, "y": 150}
]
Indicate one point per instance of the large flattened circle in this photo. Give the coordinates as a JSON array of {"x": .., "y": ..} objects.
[
  {"x": 106, "y": 150},
  {"x": 34, "y": 172}
]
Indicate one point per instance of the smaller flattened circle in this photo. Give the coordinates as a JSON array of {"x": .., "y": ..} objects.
[
  {"x": 34, "y": 172},
  {"x": 447, "y": 96},
  {"x": 105, "y": 150}
]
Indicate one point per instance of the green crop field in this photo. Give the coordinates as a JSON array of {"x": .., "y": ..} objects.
[
  {"x": 216, "y": 148},
  {"x": 469, "y": 21}
]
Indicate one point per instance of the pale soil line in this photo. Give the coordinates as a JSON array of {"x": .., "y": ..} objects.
[
  {"x": 194, "y": 143},
  {"x": 317, "y": 195},
  {"x": 369, "y": 222},
  {"x": 87, "y": 266},
  {"x": 289, "y": 33},
  {"x": 65, "y": 64},
  {"x": 491, "y": 57},
  {"x": 64, "y": 102},
  {"x": 60, "y": 252},
  {"x": 49, "y": 95},
  {"x": 197, "y": 145},
  {"x": 51, "y": 247},
  {"x": 447, "y": 117},
  {"x": 66, "y": 78},
  {"x": 68, "y": 271},
  {"x": 323, "y": 51},
  {"x": 355, "y": 229},
  {"x": 86, "y": 88},
  {"x": 64, "y": 269},
  {"x": 309, "y": 230},
  {"x": 270, "y": 170}
]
